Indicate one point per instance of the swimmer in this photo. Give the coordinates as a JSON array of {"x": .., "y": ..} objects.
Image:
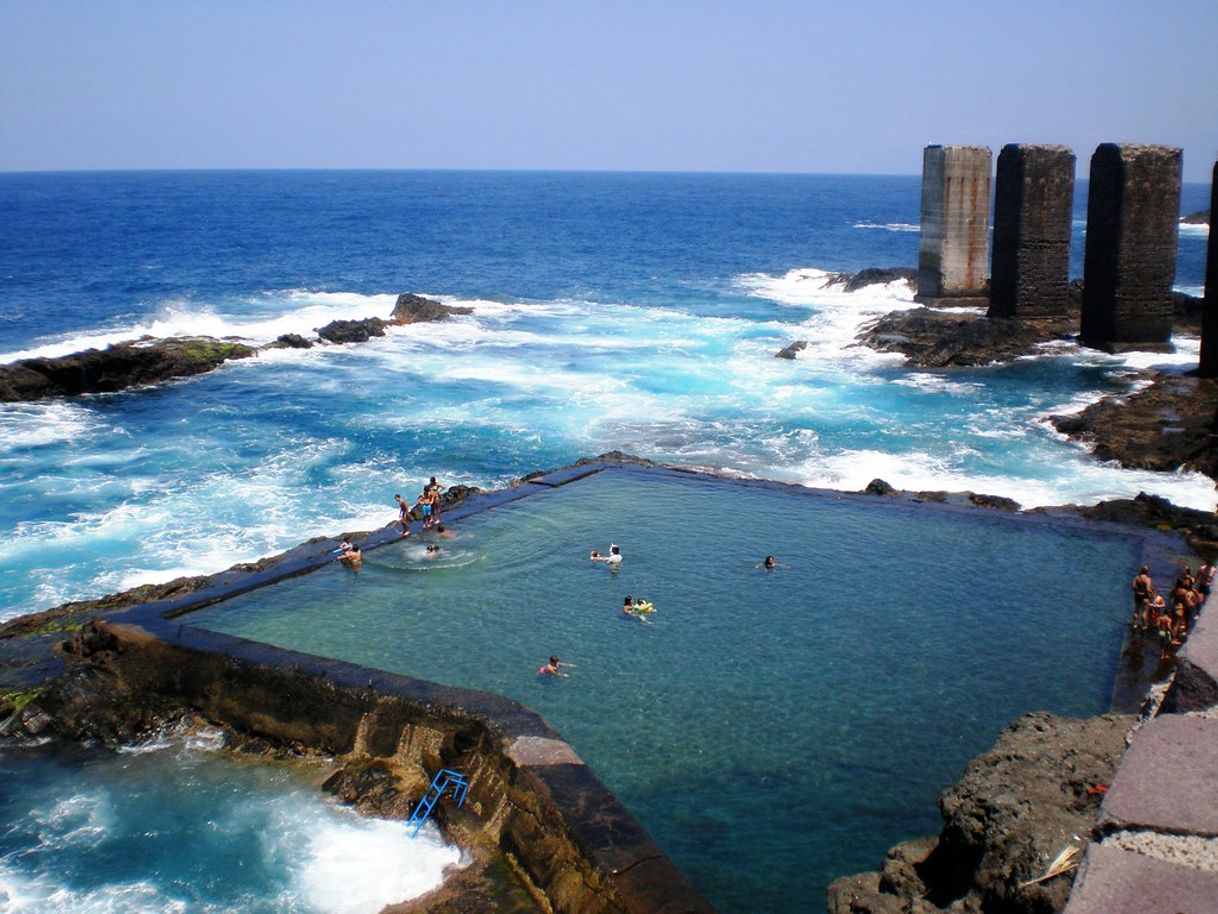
[
  {"x": 433, "y": 551},
  {"x": 613, "y": 558},
  {"x": 769, "y": 564},
  {"x": 352, "y": 558},
  {"x": 343, "y": 547},
  {"x": 443, "y": 532},
  {"x": 630, "y": 610},
  {"x": 553, "y": 667}
]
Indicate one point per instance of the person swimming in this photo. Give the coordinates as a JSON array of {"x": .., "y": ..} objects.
[
  {"x": 613, "y": 558},
  {"x": 554, "y": 667},
  {"x": 769, "y": 564},
  {"x": 631, "y": 610},
  {"x": 352, "y": 558},
  {"x": 433, "y": 551}
]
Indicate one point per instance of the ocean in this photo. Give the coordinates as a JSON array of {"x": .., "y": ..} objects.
[{"x": 637, "y": 312}]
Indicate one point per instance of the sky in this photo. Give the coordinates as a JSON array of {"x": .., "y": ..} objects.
[{"x": 850, "y": 86}]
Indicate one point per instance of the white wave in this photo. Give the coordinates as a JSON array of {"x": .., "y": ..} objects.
[
  {"x": 253, "y": 320},
  {"x": 24, "y": 894},
  {"x": 32, "y": 425},
  {"x": 938, "y": 383},
  {"x": 355, "y": 865},
  {"x": 1195, "y": 229},
  {"x": 1083, "y": 481},
  {"x": 889, "y": 226}
]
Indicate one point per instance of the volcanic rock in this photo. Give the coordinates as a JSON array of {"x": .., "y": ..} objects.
[
  {"x": 414, "y": 309},
  {"x": 930, "y": 338},
  {"x": 788, "y": 352},
  {"x": 353, "y": 331},
  {"x": 873, "y": 276},
  {"x": 291, "y": 341},
  {"x": 1171, "y": 424},
  {"x": 115, "y": 368},
  {"x": 1201, "y": 217},
  {"x": 1016, "y": 807}
]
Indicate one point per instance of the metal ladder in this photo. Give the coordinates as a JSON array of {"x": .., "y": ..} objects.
[{"x": 444, "y": 779}]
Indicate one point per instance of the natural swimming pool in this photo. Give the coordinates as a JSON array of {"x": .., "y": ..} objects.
[{"x": 772, "y": 730}]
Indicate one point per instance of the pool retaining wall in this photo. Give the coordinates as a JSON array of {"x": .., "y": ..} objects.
[{"x": 531, "y": 798}]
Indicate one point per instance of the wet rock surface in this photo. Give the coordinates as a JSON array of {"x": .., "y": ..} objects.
[
  {"x": 1015, "y": 809},
  {"x": 140, "y": 363},
  {"x": 115, "y": 368},
  {"x": 933, "y": 338},
  {"x": 1169, "y": 425},
  {"x": 412, "y": 309}
]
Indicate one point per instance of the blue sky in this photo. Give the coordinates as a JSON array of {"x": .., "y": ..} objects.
[{"x": 766, "y": 85}]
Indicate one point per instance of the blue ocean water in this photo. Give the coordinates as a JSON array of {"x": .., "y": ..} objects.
[
  {"x": 175, "y": 826},
  {"x": 630, "y": 311}
]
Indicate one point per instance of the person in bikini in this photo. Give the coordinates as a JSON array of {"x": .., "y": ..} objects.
[{"x": 1142, "y": 586}]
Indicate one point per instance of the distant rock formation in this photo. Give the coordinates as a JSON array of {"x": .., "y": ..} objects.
[
  {"x": 352, "y": 331},
  {"x": 115, "y": 368},
  {"x": 1201, "y": 217},
  {"x": 788, "y": 352},
  {"x": 413, "y": 309},
  {"x": 873, "y": 276},
  {"x": 149, "y": 361}
]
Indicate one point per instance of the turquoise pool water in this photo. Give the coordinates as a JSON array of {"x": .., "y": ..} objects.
[{"x": 772, "y": 730}]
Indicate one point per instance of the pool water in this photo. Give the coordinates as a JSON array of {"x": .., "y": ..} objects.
[
  {"x": 175, "y": 826},
  {"x": 771, "y": 729}
]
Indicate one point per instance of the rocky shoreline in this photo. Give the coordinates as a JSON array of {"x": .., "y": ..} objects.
[{"x": 144, "y": 362}]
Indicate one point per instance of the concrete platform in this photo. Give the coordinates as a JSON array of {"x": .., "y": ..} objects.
[
  {"x": 1167, "y": 780},
  {"x": 1114, "y": 881}
]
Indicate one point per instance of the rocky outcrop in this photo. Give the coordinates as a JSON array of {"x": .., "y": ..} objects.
[
  {"x": 852, "y": 282},
  {"x": 789, "y": 352},
  {"x": 352, "y": 331},
  {"x": 931, "y": 338},
  {"x": 1201, "y": 217},
  {"x": 413, "y": 309},
  {"x": 144, "y": 362},
  {"x": 1171, "y": 424},
  {"x": 1034, "y": 794},
  {"x": 115, "y": 368}
]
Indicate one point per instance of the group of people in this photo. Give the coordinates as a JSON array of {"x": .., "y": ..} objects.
[
  {"x": 1169, "y": 619},
  {"x": 429, "y": 505}
]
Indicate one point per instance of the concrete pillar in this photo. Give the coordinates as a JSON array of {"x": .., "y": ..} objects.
[
  {"x": 1033, "y": 205},
  {"x": 1209, "y": 310},
  {"x": 952, "y": 255},
  {"x": 1133, "y": 215}
]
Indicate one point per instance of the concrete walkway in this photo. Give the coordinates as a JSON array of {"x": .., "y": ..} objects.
[{"x": 1157, "y": 845}]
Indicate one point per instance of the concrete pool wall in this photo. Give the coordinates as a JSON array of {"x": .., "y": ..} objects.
[{"x": 531, "y": 798}]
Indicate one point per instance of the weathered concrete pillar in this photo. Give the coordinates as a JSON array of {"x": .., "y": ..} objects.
[
  {"x": 1133, "y": 215},
  {"x": 952, "y": 255},
  {"x": 1209, "y": 312},
  {"x": 1033, "y": 205}
]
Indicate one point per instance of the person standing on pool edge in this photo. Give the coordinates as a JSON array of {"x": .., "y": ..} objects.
[
  {"x": 435, "y": 489},
  {"x": 403, "y": 514}
]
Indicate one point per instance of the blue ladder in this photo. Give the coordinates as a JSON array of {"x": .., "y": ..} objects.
[{"x": 444, "y": 779}]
